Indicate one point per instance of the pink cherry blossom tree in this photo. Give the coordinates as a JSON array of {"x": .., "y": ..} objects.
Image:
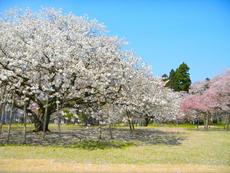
[
  {"x": 221, "y": 86},
  {"x": 208, "y": 98}
]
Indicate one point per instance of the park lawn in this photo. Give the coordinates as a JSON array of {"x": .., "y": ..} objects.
[{"x": 199, "y": 151}]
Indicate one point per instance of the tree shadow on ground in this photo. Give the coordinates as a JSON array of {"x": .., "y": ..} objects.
[
  {"x": 100, "y": 144},
  {"x": 87, "y": 138},
  {"x": 151, "y": 136}
]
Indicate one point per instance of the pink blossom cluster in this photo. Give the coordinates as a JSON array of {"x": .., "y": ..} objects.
[{"x": 213, "y": 96}]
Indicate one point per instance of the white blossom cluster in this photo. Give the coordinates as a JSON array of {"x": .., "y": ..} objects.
[{"x": 69, "y": 58}]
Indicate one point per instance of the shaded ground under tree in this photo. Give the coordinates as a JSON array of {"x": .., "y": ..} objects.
[{"x": 87, "y": 138}]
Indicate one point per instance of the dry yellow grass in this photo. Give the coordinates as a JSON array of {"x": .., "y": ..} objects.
[{"x": 51, "y": 165}]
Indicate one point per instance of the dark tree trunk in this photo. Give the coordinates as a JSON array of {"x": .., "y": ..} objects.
[
  {"x": 206, "y": 120},
  {"x": 1, "y": 117},
  {"x": 39, "y": 118},
  {"x": 132, "y": 123},
  {"x": 100, "y": 131},
  {"x": 110, "y": 131},
  {"x": 25, "y": 115},
  {"x": 227, "y": 121},
  {"x": 59, "y": 118},
  {"x": 47, "y": 121},
  {"x": 2, "y": 111},
  {"x": 147, "y": 120},
  {"x": 10, "y": 121},
  {"x": 45, "y": 124},
  {"x": 39, "y": 123},
  {"x": 198, "y": 122},
  {"x": 130, "y": 126}
]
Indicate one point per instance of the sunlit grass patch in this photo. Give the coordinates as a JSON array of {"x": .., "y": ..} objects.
[{"x": 198, "y": 147}]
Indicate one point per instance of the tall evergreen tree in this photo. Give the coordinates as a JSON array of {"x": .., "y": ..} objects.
[
  {"x": 165, "y": 77},
  {"x": 171, "y": 79},
  {"x": 183, "y": 77},
  {"x": 179, "y": 80}
]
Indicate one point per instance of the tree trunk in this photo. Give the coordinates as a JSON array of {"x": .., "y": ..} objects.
[
  {"x": 209, "y": 120},
  {"x": 132, "y": 123},
  {"x": 110, "y": 131},
  {"x": 45, "y": 124},
  {"x": 198, "y": 122},
  {"x": 10, "y": 121},
  {"x": 39, "y": 117},
  {"x": 39, "y": 122},
  {"x": 146, "y": 121},
  {"x": 130, "y": 126},
  {"x": 100, "y": 131},
  {"x": 59, "y": 124},
  {"x": 25, "y": 115},
  {"x": 59, "y": 118},
  {"x": 205, "y": 121},
  {"x": 2, "y": 111},
  {"x": 1, "y": 117},
  {"x": 227, "y": 122}
]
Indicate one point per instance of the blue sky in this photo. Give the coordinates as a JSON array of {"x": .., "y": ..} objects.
[{"x": 164, "y": 33}]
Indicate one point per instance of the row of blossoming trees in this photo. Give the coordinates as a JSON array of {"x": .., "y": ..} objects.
[
  {"x": 209, "y": 99},
  {"x": 50, "y": 61}
]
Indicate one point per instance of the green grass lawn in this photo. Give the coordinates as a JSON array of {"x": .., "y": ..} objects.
[{"x": 198, "y": 147}]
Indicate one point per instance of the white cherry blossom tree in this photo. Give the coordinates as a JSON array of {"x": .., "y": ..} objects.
[{"x": 48, "y": 57}]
